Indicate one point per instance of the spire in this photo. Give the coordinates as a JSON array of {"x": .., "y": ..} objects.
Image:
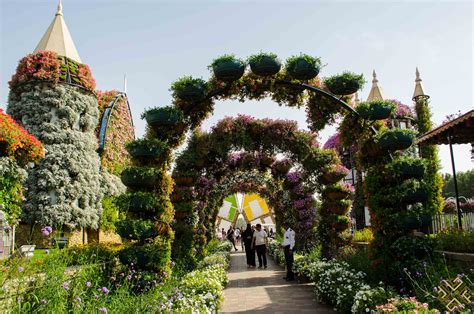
[
  {"x": 58, "y": 39},
  {"x": 356, "y": 98},
  {"x": 418, "y": 88},
  {"x": 376, "y": 92},
  {"x": 125, "y": 83}
]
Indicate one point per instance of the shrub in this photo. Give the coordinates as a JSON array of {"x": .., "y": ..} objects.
[
  {"x": 455, "y": 241},
  {"x": 110, "y": 214},
  {"x": 405, "y": 305},
  {"x": 367, "y": 299},
  {"x": 364, "y": 235},
  {"x": 136, "y": 229}
]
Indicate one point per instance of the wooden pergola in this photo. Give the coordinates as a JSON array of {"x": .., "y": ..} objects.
[{"x": 456, "y": 131}]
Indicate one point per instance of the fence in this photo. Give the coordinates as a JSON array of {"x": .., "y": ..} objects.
[{"x": 442, "y": 222}]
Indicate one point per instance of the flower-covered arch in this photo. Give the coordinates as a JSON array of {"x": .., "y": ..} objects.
[
  {"x": 247, "y": 144},
  {"x": 209, "y": 156}
]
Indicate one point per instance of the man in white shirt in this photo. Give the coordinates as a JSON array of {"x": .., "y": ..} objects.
[
  {"x": 260, "y": 242},
  {"x": 288, "y": 246}
]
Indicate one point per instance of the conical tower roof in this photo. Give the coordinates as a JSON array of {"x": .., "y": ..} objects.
[
  {"x": 376, "y": 92},
  {"x": 418, "y": 87},
  {"x": 58, "y": 39}
]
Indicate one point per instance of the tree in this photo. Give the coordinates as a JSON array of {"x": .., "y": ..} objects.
[{"x": 465, "y": 184}]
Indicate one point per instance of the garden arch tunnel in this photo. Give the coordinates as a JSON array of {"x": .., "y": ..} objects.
[
  {"x": 206, "y": 157},
  {"x": 235, "y": 146}
]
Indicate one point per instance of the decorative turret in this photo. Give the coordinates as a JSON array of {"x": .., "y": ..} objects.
[
  {"x": 418, "y": 87},
  {"x": 376, "y": 92},
  {"x": 58, "y": 39}
]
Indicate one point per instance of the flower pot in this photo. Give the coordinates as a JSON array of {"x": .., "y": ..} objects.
[
  {"x": 138, "y": 205},
  {"x": 184, "y": 181},
  {"x": 330, "y": 178},
  {"x": 282, "y": 168},
  {"x": 229, "y": 71},
  {"x": 144, "y": 180},
  {"x": 340, "y": 207},
  {"x": 418, "y": 196},
  {"x": 395, "y": 141},
  {"x": 408, "y": 171},
  {"x": 408, "y": 222},
  {"x": 192, "y": 93},
  {"x": 145, "y": 152},
  {"x": 267, "y": 161},
  {"x": 377, "y": 111},
  {"x": 61, "y": 242},
  {"x": 343, "y": 86},
  {"x": 164, "y": 117},
  {"x": 303, "y": 70},
  {"x": 338, "y": 195},
  {"x": 340, "y": 226},
  {"x": 265, "y": 66}
]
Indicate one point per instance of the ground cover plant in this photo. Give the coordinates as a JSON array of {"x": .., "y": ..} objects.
[{"x": 91, "y": 279}]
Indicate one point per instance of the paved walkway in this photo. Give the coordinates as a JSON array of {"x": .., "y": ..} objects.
[{"x": 265, "y": 291}]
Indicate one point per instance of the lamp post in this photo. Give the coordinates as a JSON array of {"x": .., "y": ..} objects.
[{"x": 456, "y": 192}]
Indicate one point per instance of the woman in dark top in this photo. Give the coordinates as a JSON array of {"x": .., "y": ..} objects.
[
  {"x": 230, "y": 236},
  {"x": 247, "y": 237}
]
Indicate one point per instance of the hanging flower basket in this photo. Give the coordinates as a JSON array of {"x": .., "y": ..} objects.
[
  {"x": 147, "y": 149},
  {"x": 184, "y": 181},
  {"x": 412, "y": 171},
  {"x": 341, "y": 207},
  {"x": 141, "y": 177},
  {"x": 415, "y": 196},
  {"x": 408, "y": 222},
  {"x": 341, "y": 223},
  {"x": 228, "y": 68},
  {"x": 303, "y": 67},
  {"x": 396, "y": 139},
  {"x": 376, "y": 110},
  {"x": 264, "y": 64},
  {"x": 337, "y": 195},
  {"x": 344, "y": 84},
  {"x": 168, "y": 116},
  {"x": 189, "y": 89}
]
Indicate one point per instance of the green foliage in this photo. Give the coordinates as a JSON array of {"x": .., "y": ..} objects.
[
  {"x": 364, "y": 235},
  {"x": 150, "y": 256},
  {"x": 345, "y": 83},
  {"x": 110, "y": 214},
  {"x": 292, "y": 61},
  {"x": 173, "y": 113},
  {"x": 187, "y": 83},
  {"x": 136, "y": 229},
  {"x": 11, "y": 196},
  {"x": 465, "y": 184},
  {"x": 375, "y": 110},
  {"x": 261, "y": 56},
  {"x": 143, "y": 203},
  {"x": 224, "y": 58},
  {"x": 430, "y": 154},
  {"x": 455, "y": 241}
]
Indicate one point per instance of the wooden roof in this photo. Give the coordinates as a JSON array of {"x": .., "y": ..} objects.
[{"x": 461, "y": 130}]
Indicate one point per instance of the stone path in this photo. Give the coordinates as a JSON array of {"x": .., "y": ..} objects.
[{"x": 265, "y": 291}]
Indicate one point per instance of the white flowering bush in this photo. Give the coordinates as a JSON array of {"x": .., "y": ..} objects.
[
  {"x": 367, "y": 299},
  {"x": 65, "y": 187}
]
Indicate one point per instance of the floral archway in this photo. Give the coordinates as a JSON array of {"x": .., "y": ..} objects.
[{"x": 208, "y": 154}]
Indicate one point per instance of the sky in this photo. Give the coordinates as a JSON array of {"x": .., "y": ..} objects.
[{"x": 156, "y": 42}]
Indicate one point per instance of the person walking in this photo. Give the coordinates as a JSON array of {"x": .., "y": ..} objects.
[
  {"x": 260, "y": 242},
  {"x": 230, "y": 236},
  {"x": 247, "y": 238},
  {"x": 288, "y": 246},
  {"x": 219, "y": 235},
  {"x": 237, "y": 236},
  {"x": 224, "y": 234}
]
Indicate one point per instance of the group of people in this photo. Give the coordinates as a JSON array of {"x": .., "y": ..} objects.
[{"x": 254, "y": 240}]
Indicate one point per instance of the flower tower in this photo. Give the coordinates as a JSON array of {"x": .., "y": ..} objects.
[
  {"x": 52, "y": 96},
  {"x": 428, "y": 152}
]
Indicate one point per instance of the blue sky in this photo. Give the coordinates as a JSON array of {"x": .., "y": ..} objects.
[{"x": 156, "y": 42}]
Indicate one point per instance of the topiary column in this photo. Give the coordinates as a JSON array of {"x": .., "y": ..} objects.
[{"x": 430, "y": 154}]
